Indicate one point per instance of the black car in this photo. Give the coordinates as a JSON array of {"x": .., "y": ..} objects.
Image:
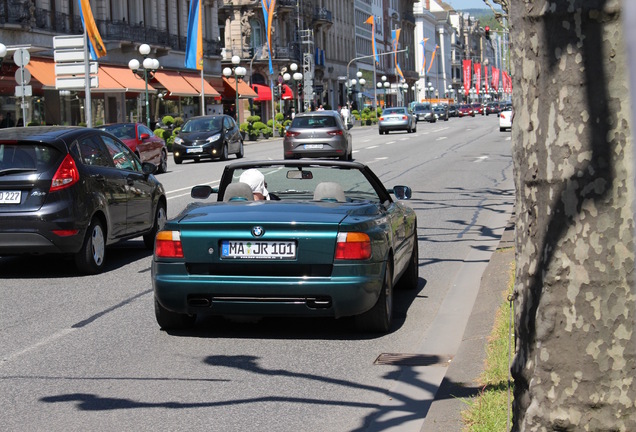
[
  {"x": 424, "y": 112},
  {"x": 74, "y": 191},
  {"x": 492, "y": 108},
  {"x": 453, "y": 111},
  {"x": 211, "y": 137},
  {"x": 441, "y": 111}
]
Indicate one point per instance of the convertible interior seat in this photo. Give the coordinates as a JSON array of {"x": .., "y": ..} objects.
[
  {"x": 329, "y": 191},
  {"x": 238, "y": 192}
]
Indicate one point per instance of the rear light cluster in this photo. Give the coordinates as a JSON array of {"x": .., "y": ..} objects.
[
  {"x": 381, "y": 118},
  {"x": 66, "y": 174},
  {"x": 168, "y": 245},
  {"x": 334, "y": 132},
  {"x": 404, "y": 117},
  {"x": 291, "y": 134},
  {"x": 353, "y": 246}
]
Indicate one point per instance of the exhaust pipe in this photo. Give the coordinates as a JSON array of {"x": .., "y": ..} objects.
[{"x": 199, "y": 302}]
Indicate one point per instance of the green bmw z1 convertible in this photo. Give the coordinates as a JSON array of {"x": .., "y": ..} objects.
[{"x": 288, "y": 238}]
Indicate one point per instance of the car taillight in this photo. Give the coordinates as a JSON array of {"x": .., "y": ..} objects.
[
  {"x": 404, "y": 117},
  {"x": 65, "y": 233},
  {"x": 66, "y": 174},
  {"x": 334, "y": 132},
  {"x": 381, "y": 118},
  {"x": 291, "y": 134},
  {"x": 168, "y": 245},
  {"x": 353, "y": 246}
]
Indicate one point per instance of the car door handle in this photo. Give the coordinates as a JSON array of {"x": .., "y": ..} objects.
[{"x": 98, "y": 177}]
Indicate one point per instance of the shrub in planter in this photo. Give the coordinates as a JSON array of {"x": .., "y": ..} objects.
[
  {"x": 267, "y": 132},
  {"x": 178, "y": 122},
  {"x": 160, "y": 133},
  {"x": 168, "y": 121},
  {"x": 279, "y": 118}
]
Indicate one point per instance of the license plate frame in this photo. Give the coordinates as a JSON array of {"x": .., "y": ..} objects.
[
  {"x": 194, "y": 150},
  {"x": 10, "y": 197},
  {"x": 259, "y": 249},
  {"x": 314, "y": 146}
]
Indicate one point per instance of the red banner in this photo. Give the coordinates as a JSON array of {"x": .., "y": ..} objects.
[
  {"x": 466, "y": 67},
  {"x": 495, "y": 78},
  {"x": 477, "y": 77},
  {"x": 507, "y": 82}
]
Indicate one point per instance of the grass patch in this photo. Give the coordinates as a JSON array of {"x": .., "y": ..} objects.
[{"x": 488, "y": 412}]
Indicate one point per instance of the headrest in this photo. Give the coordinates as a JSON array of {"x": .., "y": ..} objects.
[
  {"x": 238, "y": 192},
  {"x": 329, "y": 191}
]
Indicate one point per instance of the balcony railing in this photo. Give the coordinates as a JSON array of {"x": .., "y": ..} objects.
[
  {"x": 322, "y": 15},
  {"x": 287, "y": 3}
]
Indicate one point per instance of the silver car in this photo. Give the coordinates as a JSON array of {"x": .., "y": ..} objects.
[
  {"x": 397, "y": 118},
  {"x": 317, "y": 134}
]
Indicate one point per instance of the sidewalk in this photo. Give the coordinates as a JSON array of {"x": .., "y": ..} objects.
[{"x": 460, "y": 381}]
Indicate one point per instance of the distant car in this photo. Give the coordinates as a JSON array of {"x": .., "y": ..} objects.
[
  {"x": 505, "y": 119},
  {"x": 74, "y": 191},
  {"x": 210, "y": 137},
  {"x": 142, "y": 141},
  {"x": 424, "y": 112},
  {"x": 453, "y": 111},
  {"x": 333, "y": 243},
  {"x": 466, "y": 110},
  {"x": 492, "y": 108},
  {"x": 318, "y": 134},
  {"x": 441, "y": 111},
  {"x": 478, "y": 108},
  {"x": 397, "y": 118}
]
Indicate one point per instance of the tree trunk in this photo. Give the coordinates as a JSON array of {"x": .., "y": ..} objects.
[{"x": 575, "y": 363}]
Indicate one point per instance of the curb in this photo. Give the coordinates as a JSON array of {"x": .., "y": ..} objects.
[{"x": 459, "y": 386}]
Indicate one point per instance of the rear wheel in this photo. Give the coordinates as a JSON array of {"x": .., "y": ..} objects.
[
  {"x": 160, "y": 220},
  {"x": 241, "y": 151},
  {"x": 163, "y": 163},
  {"x": 378, "y": 318},
  {"x": 90, "y": 258},
  {"x": 410, "y": 277},
  {"x": 169, "y": 320}
]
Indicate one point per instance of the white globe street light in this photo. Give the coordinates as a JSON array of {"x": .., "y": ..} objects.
[
  {"x": 238, "y": 72},
  {"x": 150, "y": 66}
]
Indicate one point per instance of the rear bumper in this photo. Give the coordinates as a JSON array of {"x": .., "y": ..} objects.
[{"x": 350, "y": 290}]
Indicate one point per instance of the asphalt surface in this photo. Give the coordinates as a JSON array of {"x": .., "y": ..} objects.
[{"x": 460, "y": 385}]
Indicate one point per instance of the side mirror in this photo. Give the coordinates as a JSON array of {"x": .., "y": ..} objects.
[
  {"x": 148, "y": 168},
  {"x": 144, "y": 136},
  {"x": 401, "y": 192},
  {"x": 349, "y": 125},
  {"x": 201, "y": 192}
]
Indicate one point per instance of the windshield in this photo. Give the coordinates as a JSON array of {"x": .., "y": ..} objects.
[
  {"x": 299, "y": 183},
  {"x": 423, "y": 107},
  {"x": 121, "y": 131},
  {"x": 206, "y": 124},
  {"x": 314, "y": 122}
]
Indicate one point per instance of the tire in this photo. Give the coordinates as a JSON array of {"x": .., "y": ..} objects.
[
  {"x": 177, "y": 160},
  {"x": 415, "y": 128},
  {"x": 241, "y": 151},
  {"x": 163, "y": 163},
  {"x": 378, "y": 318},
  {"x": 502, "y": 129},
  {"x": 410, "y": 278},
  {"x": 350, "y": 157},
  {"x": 160, "y": 220},
  {"x": 224, "y": 153},
  {"x": 91, "y": 256},
  {"x": 168, "y": 320},
  {"x": 381, "y": 132}
]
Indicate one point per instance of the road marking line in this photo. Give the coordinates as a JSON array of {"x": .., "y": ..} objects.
[
  {"x": 404, "y": 139},
  {"x": 38, "y": 344},
  {"x": 481, "y": 159},
  {"x": 381, "y": 158},
  {"x": 440, "y": 138},
  {"x": 372, "y": 147},
  {"x": 390, "y": 142}
]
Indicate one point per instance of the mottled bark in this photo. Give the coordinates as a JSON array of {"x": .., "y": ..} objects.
[{"x": 575, "y": 366}]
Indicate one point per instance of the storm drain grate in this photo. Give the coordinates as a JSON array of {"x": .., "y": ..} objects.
[{"x": 413, "y": 359}]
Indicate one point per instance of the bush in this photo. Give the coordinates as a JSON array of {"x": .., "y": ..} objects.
[
  {"x": 270, "y": 123},
  {"x": 253, "y": 119},
  {"x": 279, "y": 118},
  {"x": 267, "y": 132},
  {"x": 259, "y": 125},
  {"x": 32, "y": 123},
  {"x": 168, "y": 121},
  {"x": 178, "y": 122},
  {"x": 160, "y": 133}
]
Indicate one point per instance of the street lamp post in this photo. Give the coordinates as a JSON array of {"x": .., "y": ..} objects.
[
  {"x": 150, "y": 66},
  {"x": 450, "y": 91},
  {"x": 430, "y": 88},
  {"x": 238, "y": 72},
  {"x": 296, "y": 77}
]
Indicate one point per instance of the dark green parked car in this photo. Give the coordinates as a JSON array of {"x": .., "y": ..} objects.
[{"x": 329, "y": 242}]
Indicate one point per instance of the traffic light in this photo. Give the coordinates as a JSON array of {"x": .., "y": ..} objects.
[
  {"x": 276, "y": 91},
  {"x": 487, "y": 32},
  {"x": 300, "y": 88}
]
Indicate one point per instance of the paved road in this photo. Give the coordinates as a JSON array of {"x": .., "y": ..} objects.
[{"x": 84, "y": 353}]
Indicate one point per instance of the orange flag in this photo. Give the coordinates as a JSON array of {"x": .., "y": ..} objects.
[{"x": 432, "y": 58}]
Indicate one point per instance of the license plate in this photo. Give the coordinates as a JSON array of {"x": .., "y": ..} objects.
[
  {"x": 194, "y": 150},
  {"x": 10, "y": 197},
  {"x": 313, "y": 146},
  {"x": 258, "y": 249}
]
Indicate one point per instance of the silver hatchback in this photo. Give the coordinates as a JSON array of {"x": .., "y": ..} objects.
[{"x": 317, "y": 134}]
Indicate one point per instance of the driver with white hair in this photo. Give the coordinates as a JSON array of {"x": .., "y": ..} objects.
[{"x": 256, "y": 180}]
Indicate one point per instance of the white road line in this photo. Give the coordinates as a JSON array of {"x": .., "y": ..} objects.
[
  {"x": 481, "y": 159},
  {"x": 390, "y": 142},
  {"x": 404, "y": 139},
  {"x": 440, "y": 138},
  {"x": 381, "y": 158},
  {"x": 372, "y": 147},
  {"x": 38, "y": 344}
]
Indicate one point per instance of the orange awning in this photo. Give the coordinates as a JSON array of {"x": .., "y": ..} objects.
[
  {"x": 195, "y": 81},
  {"x": 106, "y": 83},
  {"x": 244, "y": 90},
  {"x": 264, "y": 92},
  {"x": 126, "y": 79},
  {"x": 43, "y": 70},
  {"x": 175, "y": 83}
]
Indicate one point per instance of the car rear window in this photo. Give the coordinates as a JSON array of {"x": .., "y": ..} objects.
[
  {"x": 422, "y": 107},
  {"x": 122, "y": 131},
  {"x": 28, "y": 156},
  {"x": 314, "y": 122}
]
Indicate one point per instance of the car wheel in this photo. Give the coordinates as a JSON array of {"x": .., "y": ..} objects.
[
  {"x": 241, "y": 151},
  {"x": 160, "y": 220},
  {"x": 410, "y": 277},
  {"x": 169, "y": 320},
  {"x": 177, "y": 160},
  {"x": 415, "y": 128},
  {"x": 502, "y": 129},
  {"x": 90, "y": 258},
  {"x": 224, "y": 153},
  {"x": 350, "y": 157},
  {"x": 381, "y": 132},
  {"x": 163, "y": 163},
  {"x": 378, "y": 318}
]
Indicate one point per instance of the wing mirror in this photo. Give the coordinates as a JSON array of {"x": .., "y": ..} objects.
[
  {"x": 144, "y": 136},
  {"x": 202, "y": 191},
  {"x": 401, "y": 192}
]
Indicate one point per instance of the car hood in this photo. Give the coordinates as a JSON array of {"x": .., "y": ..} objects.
[{"x": 194, "y": 136}]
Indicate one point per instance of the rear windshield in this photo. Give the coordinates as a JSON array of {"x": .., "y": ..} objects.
[
  {"x": 27, "y": 156},
  {"x": 425, "y": 107},
  {"x": 314, "y": 122},
  {"x": 126, "y": 131},
  {"x": 394, "y": 111}
]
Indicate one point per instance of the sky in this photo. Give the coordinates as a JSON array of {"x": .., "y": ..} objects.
[{"x": 467, "y": 4}]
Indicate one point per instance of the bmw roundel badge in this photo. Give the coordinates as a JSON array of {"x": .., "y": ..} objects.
[{"x": 258, "y": 231}]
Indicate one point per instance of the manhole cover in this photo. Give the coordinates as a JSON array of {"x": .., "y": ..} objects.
[{"x": 413, "y": 359}]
